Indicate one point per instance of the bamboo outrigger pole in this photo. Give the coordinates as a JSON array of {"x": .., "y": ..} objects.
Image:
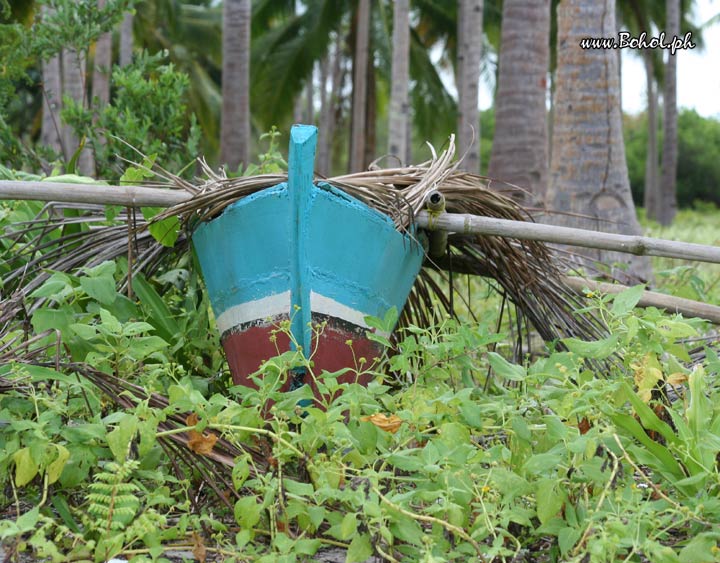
[
  {"x": 136, "y": 196},
  {"x": 642, "y": 246}
]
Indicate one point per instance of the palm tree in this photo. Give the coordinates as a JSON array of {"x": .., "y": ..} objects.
[
  {"x": 650, "y": 194},
  {"x": 667, "y": 206},
  {"x": 361, "y": 58},
  {"x": 102, "y": 65},
  {"x": 519, "y": 152},
  {"x": 52, "y": 101},
  {"x": 235, "y": 124},
  {"x": 399, "y": 79},
  {"x": 126, "y": 39},
  {"x": 470, "y": 33},
  {"x": 589, "y": 183},
  {"x": 74, "y": 87}
]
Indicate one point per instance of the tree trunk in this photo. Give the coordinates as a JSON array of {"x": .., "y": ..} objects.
[
  {"x": 589, "y": 184},
  {"x": 470, "y": 33},
  {"x": 309, "y": 100},
  {"x": 235, "y": 125},
  {"x": 73, "y": 82},
  {"x": 126, "y": 40},
  {"x": 328, "y": 114},
  {"x": 102, "y": 65},
  {"x": 52, "y": 102},
  {"x": 400, "y": 78},
  {"x": 651, "y": 196},
  {"x": 519, "y": 152},
  {"x": 323, "y": 145},
  {"x": 359, "y": 97},
  {"x": 668, "y": 197},
  {"x": 371, "y": 116}
]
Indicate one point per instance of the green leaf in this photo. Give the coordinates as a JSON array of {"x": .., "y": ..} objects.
[
  {"x": 596, "y": 350},
  {"x": 84, "y": 331},
  {"x": 144, "y": 346},
  {"x": 241, "y": 471},
  {"x": 29, "y": 520},
  {"x": 119, "y": 439},
  {"x": 56, "y": 467},
  {"x": 625, "y": 301},
  {"x": 109, "y": 323},
  {"x": 307, "y": 546},
  {"x": 407, "y": 530},
  {"x": 700, "y": 549},
  {"x": 160, "y": 315},
  {"x": 102, "y": 289},
  {"x": 505, "y": 369},
  {"x": 360, "y": 549},
  {"x": 25, "y": 467},
  {"x": 51, "y": 319},
  {"x": 348, "y": 526},
  {"x": 247, "y": 512},
  {"x": 548, "y": 499},
  {"x": 540, "y": 463},
  {"x": 166, "y": 231},
  {"x": 568, "y": 537}
]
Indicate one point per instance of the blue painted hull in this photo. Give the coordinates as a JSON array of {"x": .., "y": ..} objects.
[{"x": 305, "y": 253}]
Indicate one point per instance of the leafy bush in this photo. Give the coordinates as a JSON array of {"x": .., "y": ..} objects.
[
  {"x": 148, "y": 115},
  {"x": 698, "y": 166},
  {"x": 452, "y": 453}
]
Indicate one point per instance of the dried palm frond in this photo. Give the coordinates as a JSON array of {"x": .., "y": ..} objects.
[{"x": 528, "y": 273}]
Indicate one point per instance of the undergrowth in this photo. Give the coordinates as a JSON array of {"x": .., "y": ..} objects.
[{"x": 451, "y": 453}]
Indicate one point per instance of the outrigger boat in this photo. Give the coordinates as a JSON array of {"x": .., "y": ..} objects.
[{"x": 309, "y": 254}]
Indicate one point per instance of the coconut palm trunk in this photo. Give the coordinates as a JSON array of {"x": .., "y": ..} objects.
[
  {"x": 400, "y": 78},
  {"x": 470, "y": 34},
  {"x": 73, "y": 86},
  {"x": 519, "y": 152},
  {"x": 52, "y": 103},
  {"x": 235, "y": 123},
  {"x": 328, "y": 111},
  {"x": 667, "y": 206},
  {"x": 651, "y": 195},
  {"x": 589, "y": 183},
  {"x": 361, "y": 56},
  {"x": 102, "y": 65},
  {"x": 126, "y": 40}
]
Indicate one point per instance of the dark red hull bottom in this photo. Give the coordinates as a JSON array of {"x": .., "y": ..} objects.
[{"x": 248, "y": 348}]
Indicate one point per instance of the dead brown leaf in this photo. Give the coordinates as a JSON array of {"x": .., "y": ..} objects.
[
  {"x": 200, "y": 443},
  {"x": 383, "y": 422}
]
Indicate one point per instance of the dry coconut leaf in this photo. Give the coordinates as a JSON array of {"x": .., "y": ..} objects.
[{"x": 388, "y": 423}]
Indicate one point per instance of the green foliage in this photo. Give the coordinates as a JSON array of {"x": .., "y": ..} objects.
[
  {"x": 698, "y": 166},
  {"x": 451, "y": 452},
  {"x": 148, "y": 115}
]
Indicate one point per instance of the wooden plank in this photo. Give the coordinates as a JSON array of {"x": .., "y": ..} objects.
[
  {"x": 128, "y": 196},
  {"x": 686, "y": 307},
  {"x": 642, "y": 246}
]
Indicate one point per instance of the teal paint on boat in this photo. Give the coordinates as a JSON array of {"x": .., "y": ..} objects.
[
  {"x": 356, "y": 256},
  {"x": 239, "y": 261},
  {"x": 306, "y": 253},
  {"x": 301, "y": 161}
]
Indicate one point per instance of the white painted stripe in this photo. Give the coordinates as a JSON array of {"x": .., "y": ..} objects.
[
  {"x": 266, "y": 307},
  {"x": 327, "y": 306}
]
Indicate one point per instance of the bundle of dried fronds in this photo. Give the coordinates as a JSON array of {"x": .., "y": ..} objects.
[
  {"x": 527, "y": 273},
  {"x": 67, "y": 237}
]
